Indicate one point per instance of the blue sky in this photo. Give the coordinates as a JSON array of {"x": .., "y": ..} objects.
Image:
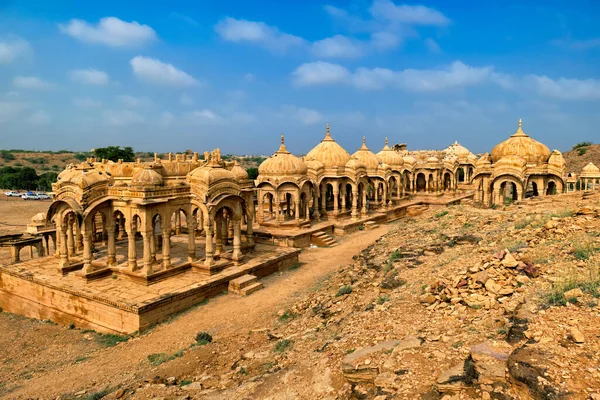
[{"x": 170, "y": 76}]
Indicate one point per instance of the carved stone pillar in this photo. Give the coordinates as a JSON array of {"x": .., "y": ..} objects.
[
  {"x": 237, "y": 234},
  {"x": 354, "y": 213},
  {"x": 147, "y": 258},
  {"x": 87, "y": 252},
  {"x": 208, "y": 229},
  {"x": 131, "y": 250},
  {"x": 64, "y": 251},
  {"x": 191, "y": 239},
  {"x": 111, "y": 246}
]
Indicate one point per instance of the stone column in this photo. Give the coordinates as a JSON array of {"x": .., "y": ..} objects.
[
  {"x": 70, "y": 238},
  {"x": 121, "y": 222},
  {"x": 307, "y": 209},
  {"x": 87, "y": 252},
  {"x": 178, "y": 222},
  {"x": 131, "y": 250},
  {"x": 152, "y": 246},
  {"x": 297, "y": 211},
  {"x": 111, "y": 246},
  {"x": 64, "y": 251},
  {"x": 363, "y": 211},
  {"x": 78, "y": 236},
  {"x": 219, "y": 236},
  {"x": 385, "y": 196},
  {"x": 147, "y": 258},
  {"x": 277, "y": 216},
  {"x": 354, "y": 212},
  {"x": 237, "y": 233},
  {"x": 191, "y": 239},
  {"x": 323, "y": 199},
  {"x": 343, "y": 195},
  {"x": 336, "y": 192},
  {"x": 208, "y": 229},
  {"x": 166, "y": 247}
]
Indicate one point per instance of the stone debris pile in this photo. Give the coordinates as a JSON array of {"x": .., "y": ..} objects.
[{"x": 493, "y": 283}]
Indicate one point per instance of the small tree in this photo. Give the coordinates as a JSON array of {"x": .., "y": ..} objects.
[
  {"x": 252, "y": 173},
  {"x": 115, "y": 153}
]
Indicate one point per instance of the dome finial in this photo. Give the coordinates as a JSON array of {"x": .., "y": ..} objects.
[
  {"x": 386, "y": 141},
  {"x": 520, "y": 123},
  {"x": 328, "y": 133},
  {"x": 364, "y": 140},
  {"x": 282, "y": 148}
]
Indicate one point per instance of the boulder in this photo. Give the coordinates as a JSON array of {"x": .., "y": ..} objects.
[
  {"x": 359, "y": 372},
  {"x": 489, "y": 361},
  {"x": 573, "y": 294},
  {"x": 509, "y": 261},
  {"x": 452, "y": 380},
  {"x": 527, "y": 367},
  {"x": 576, "y": 335}
]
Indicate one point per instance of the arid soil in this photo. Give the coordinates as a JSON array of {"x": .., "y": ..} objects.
[
  {"x": 454, "y": 303},
  {"x": 16, "y": 213},
  {"x": 576, "y": 162}
]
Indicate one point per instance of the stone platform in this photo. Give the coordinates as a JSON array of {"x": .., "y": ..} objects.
[
  {"x": 301, "y": 236},
  {"x": 116, "y": 304}
]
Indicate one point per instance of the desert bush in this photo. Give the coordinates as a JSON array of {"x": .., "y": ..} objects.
[
  {"x": 203, "y": 338},
  {"x": 344, "y": 290},
  {"x": 283, "y": 345}
]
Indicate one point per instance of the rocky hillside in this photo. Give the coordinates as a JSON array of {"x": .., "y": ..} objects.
[
  {"x": 456, "y": 303},
  {"x": 580, "y": 157}
]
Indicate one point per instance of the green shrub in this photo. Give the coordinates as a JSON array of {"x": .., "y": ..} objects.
[
  {"x": 203, "y": 338},
  {"x": 581, "y": 151},
  {"x": 7, "y": 155},
  {"x": 581, "y": 144},
  {"x": 441, "y": 214},
  {"x": 157, "y": 358},
  {"x": 109, "y": 339},
  {"x": 344, "y": 290},
  {"x": 283, "y": 345},
  {"x": 285, "y": 316}
]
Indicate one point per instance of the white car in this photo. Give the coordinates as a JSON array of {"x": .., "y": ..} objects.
[
  {"x": 30, "y": 196},
  {"x": 43, "y": 196},
  {"x": 13, "y": 194}
]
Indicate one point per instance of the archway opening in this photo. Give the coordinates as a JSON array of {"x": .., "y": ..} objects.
[
  {"x": 448, "y": 181},
  {"x": 461, "y": 175},
  {"x": 551, "y": 188},
  {"x": 421, "y": 183}
]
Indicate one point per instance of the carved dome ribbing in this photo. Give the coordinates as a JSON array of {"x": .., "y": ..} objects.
[
  {"x": 328, "y": 152},
  {"x": 282, "y": 163},
  {"x": 521, "y": 145}
]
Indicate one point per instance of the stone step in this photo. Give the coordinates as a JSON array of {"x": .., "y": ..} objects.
[
  {"x": 237, "y": 284},
  {"x": 251, "y": 289},
  {"x": 323, "y": 239}
]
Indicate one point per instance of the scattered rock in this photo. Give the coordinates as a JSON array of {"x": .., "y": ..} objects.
[{"x": 576, "y": 335}]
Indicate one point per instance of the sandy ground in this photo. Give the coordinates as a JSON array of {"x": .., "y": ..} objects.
[
  {"x": 42, "y": 360},
  {"x": 15, "y": 213}
]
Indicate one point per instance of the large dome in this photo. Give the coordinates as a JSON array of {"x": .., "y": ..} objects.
[
  {"x": 389, "y": 156},
  {"x": 366, "y": 156},
  {"x": 328, "y": 153},
  {"x": 458, "y": 150},
  {"x": 520, "y": 144},
  {"x": 148, "y": 176},
  {"x": 282, "y": 163}
]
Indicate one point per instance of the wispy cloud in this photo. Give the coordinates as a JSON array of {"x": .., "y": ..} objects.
[
  {"x": 89, "y": 76},
  {"x": 241, "y": 30},
  {"x": 157, "y": 72},
  {"x": 13, "y": 48},
  {"x": 109, "y": 31},
  {"x": 30, "y": 82},
  {"x": 185, "y": 18}
]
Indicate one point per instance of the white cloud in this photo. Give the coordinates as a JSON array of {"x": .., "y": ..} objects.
[
  {"x": 109, "y": 31},
  {"x": 306, "y": 116},
  {"x": 319, "y": 73},
  {"x": 243, "y": 118},
  {"x": 385, "y": 40},
  {"x": 13, "y": 48},
  {"x": 89, "y": 76},
  {"x": 432, "y": 46},
  {"x": 166, "y": 118},
  {"x": 427, "y": 80},
  {"x": 584, "y": 44},
  {"x": 249, "y": 77},
  {"x": 240, "y": 30},
  {"x": 40, "y": 117},
  {"x": 565, "y": 89},
  {"x": 416, "y": 15},
  {"x": 160, "y": 73},
  {"x": 122, "y": 117},
  {"x": 205, "y": 116},
  {"x": 30, "y": 82},
  {"x": 186, "y": 99},
  {"x": 9, "y": 110},
  {"x": 132, "y": 101},
  {"x": 337, "y": 46},
  {"x": 85, "y": 102}
]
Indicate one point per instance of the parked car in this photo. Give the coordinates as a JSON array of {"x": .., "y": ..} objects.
[
  {"x": 43, "y": 196},
  {"x": 13, "y": 194},
  {"x": 30, "y": 196}
]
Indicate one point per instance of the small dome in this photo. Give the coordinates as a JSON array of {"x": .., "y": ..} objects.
[
  {"x": 147, "y": 177},
  {"x": 458, "y": 150},
  {"x": 410, "y": 160},
  {"x": 238, "y": 172},
  {"x": 354, "y": 164},
  {"x": 484, "y": 160},
  {"x": 82, "y": 175},
  {"x": 557, "y": 160},
  {"x": 390, "y": 157},
  {"x": 520, "y": 144},
  {"x": 590, "y": 169},
  {"x": 314, "y": 166},
  {"x": 39, "y": 218},
  {"x": 366, "y": 156},
  {"x": 210, "y": 174},
  {"x": 282, "y": 163},
  {"x": 510, "y": 161},
  {"x": 328, "y": 152}
]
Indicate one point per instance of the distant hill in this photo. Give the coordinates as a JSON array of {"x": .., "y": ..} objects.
[{"x": 576, "y": 161}]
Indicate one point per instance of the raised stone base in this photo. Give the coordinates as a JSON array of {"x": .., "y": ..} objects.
[{"x": 118, "y": 305}]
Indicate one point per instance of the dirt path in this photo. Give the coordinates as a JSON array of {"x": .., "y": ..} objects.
[{"x": 224, "y": 317}]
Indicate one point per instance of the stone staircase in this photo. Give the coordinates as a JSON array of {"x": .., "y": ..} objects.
[
  {"x": 245, "y": 285},
  {"x": 322, "y": 239}
]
